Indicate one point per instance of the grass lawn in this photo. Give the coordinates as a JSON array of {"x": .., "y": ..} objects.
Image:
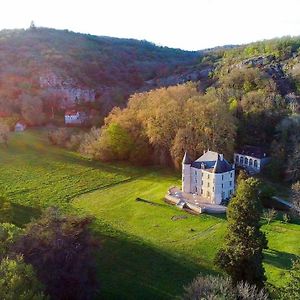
[{"x": 145, "y": 252}]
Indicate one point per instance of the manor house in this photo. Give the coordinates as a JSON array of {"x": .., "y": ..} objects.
[{"x": 211, "y": 176}]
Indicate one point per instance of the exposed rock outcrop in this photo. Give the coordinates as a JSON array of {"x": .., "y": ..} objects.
[{"x": 69, "y": 90}]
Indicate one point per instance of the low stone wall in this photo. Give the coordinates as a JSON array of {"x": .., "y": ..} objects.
[
  {"x": 186, "y": 201},
  {"x": 172, "y": 199}
]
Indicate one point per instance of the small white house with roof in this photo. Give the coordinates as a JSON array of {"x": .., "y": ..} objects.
[
  {"x": 20, "y": 126},
  {"x": 211, "y": 176},
  {"x": 74, "y": 117}
]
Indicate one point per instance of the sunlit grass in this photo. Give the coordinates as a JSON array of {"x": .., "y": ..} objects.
[{"x": 145, "y": 253}]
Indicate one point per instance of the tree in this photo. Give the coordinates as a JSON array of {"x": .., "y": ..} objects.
[
  {"x": 269, "y": 215},
  {"x": 4, "y": 133},
  {"x": 296, "y": 198},
  {"x": 241, "y": 256},
  {"x": 32, "y": 109},
  {"x": 18, "y": 281},
  {"x": 61, "y": 249},
  {"x": 292, "y": 290},
  {"x": 32, "y": 25},
  {"x": 242, "y": 176},
  {"x": 119, "y": 141},
  {"x": 8, "y": 235},
  {"x": 221, "y": 288}
]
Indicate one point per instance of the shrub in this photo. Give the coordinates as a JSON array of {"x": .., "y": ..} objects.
[
  {"x": 221, "y": 288},
  {"x": 269, "y": 215},
  {"x": 18, "y": 281}
]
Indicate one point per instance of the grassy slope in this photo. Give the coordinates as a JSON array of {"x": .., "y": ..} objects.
[{"x": 144, "y": 254}]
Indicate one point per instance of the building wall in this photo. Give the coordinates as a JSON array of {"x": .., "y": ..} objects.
[
  {"x": 245, "y": 161},
  {"x": 186, "y": 178},
  {"x": 211, "y": 186},
  {"x": 20, "y": 127},
  {"x": 73, "y": 119}
]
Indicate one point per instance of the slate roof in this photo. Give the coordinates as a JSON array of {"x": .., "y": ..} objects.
[
  {"x": 212, "y": 162},
  {"x": 186, "y": 159},
  {"x": 253, "y": 151},
  {"x": 222, "y": 166}
]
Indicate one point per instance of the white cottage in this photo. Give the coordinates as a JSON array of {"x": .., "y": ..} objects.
[
  {"x": 20, "y": 126},
  {"x": 251, "y": 158},
  {"x": 75, "y": 117},
  {"x": 210, "y": 176}
]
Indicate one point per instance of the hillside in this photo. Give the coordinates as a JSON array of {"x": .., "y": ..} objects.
[
  {"x": 66, "y": 67},
  {"x": 149, "y": 249}
]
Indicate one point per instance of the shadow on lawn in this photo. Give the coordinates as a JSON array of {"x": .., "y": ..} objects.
[
  {"x": 131, "y": 269},
  {"x": 21, "y": 215},
  {"x": 279, "y": 259}
]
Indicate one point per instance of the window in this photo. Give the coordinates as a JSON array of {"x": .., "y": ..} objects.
[
  {"x": 213, "y": 188},
  {"x": 237, "y": 159},
  {"x": 230, "y": 183},
  {"x": 208, "y": 176},
  {"x": 250, "y": 162},
  {"x": 208, "y": 194},
  {"x": 195, "y": 173},
  {"x": 208, "y": 184},
  {"x": 231, "y": 174},
  {"x": 182, "y": 178},
  {"x": 246, "y": 161},
  {"x": 230, "y": 192},
  {"x": 241, "y": 160},
  {"x": 222, "y": 177},
  {"x": 201, "y": 191},
  {"x": 196, "y": 189},
  {"x": 255, "y": 164},
  {"x": 222, "y": 185}
]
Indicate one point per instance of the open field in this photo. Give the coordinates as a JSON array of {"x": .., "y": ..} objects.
[{"x": 148, "y": 249}]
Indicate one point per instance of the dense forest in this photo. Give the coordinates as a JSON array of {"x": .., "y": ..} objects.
[
  {"x": 252, "y": 99},
  {"x": 237, "y": 95},
  {"x": 43, "y": 71}
]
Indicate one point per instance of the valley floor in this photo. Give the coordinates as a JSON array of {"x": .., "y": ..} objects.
[{"x": 149, "y": 249}]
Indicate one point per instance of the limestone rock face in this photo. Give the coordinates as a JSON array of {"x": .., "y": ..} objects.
[
  {"x": 69, "y": 90},
  {"x": 190, "y": 75}
]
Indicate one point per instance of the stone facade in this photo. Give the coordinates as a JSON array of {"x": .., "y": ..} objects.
[{"x": 210, "y": 176}]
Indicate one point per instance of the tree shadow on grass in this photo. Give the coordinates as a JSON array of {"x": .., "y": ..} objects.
[
  {"x": 129, "y": 268},
  {"x": 21, "y": 215},
  {"x": 279, "y": 259}
]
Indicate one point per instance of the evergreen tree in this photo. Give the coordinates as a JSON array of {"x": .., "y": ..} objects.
[
  {"x": 241, "y": 257},
  {"x": 292, "y": 290}
]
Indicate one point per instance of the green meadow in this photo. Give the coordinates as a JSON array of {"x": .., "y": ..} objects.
[{"x": 149, "y": 249}]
